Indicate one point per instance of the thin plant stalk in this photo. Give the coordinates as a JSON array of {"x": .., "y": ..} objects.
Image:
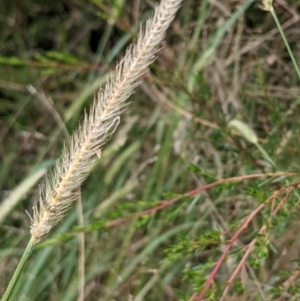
[
  {"x": 267, "y": 5},
  {"x": 18, "y": 271},
  {"x": 266, "y": 156},
  {"x": 285, "y": 41}
]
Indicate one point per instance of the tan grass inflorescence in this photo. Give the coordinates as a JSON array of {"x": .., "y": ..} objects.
[{"x": 60, "y": 188}]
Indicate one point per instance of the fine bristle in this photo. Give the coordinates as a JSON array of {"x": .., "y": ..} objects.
[{"x": 60, "y": 188}]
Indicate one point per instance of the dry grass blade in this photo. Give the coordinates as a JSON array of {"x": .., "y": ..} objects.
[{"x": 59, "y": 190}]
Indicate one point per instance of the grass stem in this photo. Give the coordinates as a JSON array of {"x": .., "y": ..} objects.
[
  {"x": 18, "y": 271},
  {"x": 285, "y": 41}
]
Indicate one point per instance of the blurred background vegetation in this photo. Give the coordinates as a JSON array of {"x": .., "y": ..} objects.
[{"x": 215, "y": 65}]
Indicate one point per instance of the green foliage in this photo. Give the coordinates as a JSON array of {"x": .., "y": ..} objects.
[
  {"x": 185, "y": 246},
  {"x": 256, "y": 192},
  {"x": 13, "y": 61},
  {"x": 218, "y": 63}
]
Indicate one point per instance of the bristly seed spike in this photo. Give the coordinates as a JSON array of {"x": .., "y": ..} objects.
[{"x": 75, "y": 164}]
